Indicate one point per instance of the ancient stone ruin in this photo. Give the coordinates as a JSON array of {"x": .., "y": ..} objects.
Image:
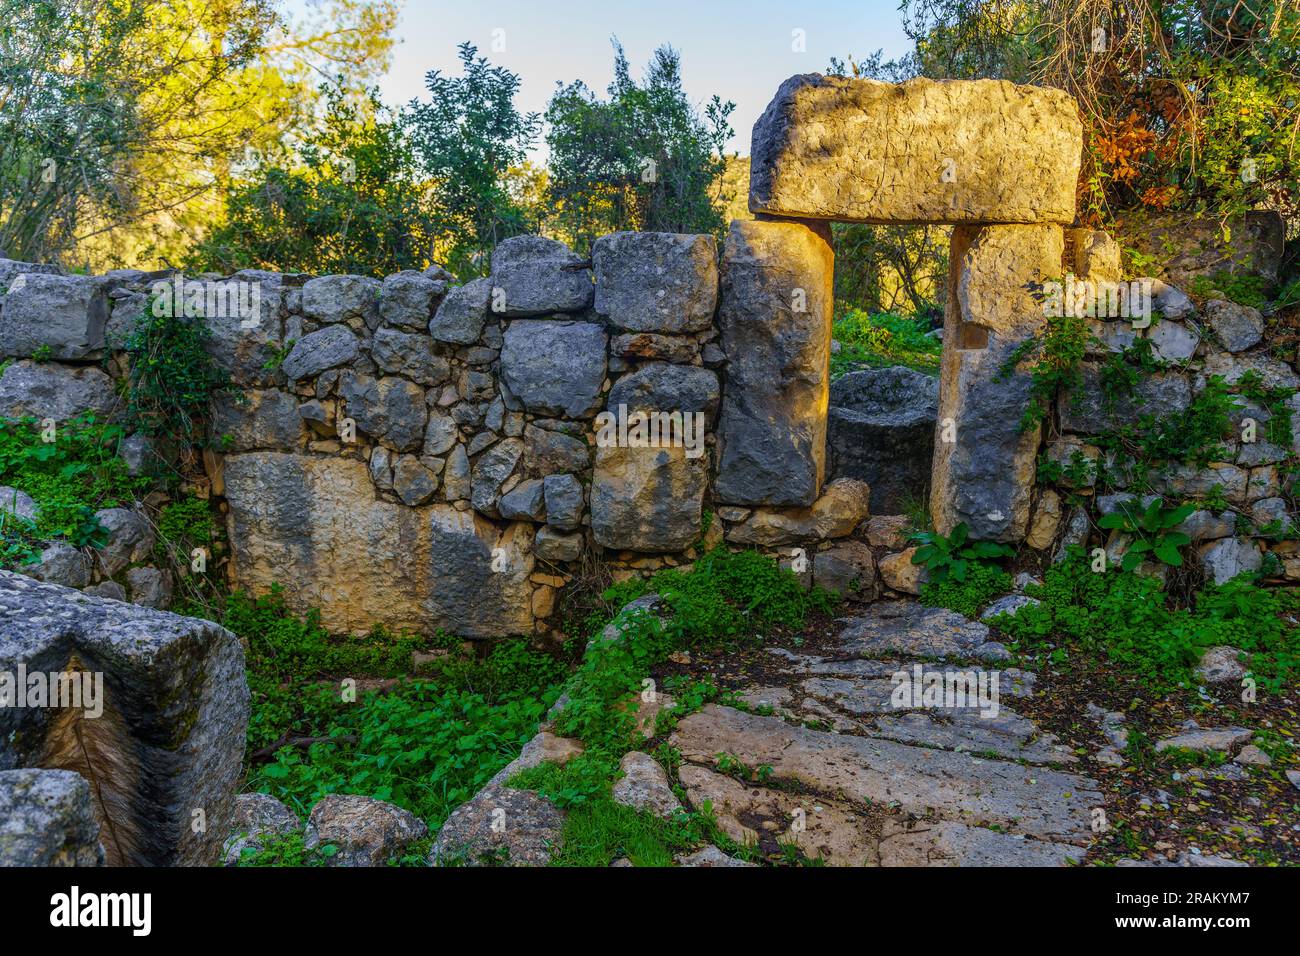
[{"x": 430, "y": 456}]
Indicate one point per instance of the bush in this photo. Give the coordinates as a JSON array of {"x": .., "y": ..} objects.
[
  {"x": 982, "y": 584},
  {"x": 173, "y": 378},
  {"x": 882, "y": 340}
]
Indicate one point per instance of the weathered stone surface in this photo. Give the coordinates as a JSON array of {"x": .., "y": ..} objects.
[
  {"x": 842, "y": 506},
  {"x": 904, "y": 627},
  {"x": 956, "y": 844},
  {"x": 833, "y": 832},
  {"x": 848, "y": 569},
  {"x": 258, "y": 817},
  {"x": 11, "y": 269},
  {"x": 366, "y": 832},
  {"x": 553, "y": 545},
  {"x": 710, "y": 856},
  {"x": 391, "y": 410},
  {"x": 254, "y": 419},
  {"x": 1174, "y": 341},
  {"x": 563, "y": 494},
  {"x": 325, "y": 348},
  {"x": 555, "y": 367},
  {"x": 865, "y": 771},
  {"x": 1047, "y": 519},
  {"x": 660, "y": 348},
  {"x": 1238, "y": 327},
  {"x": 984, "y": 475},
  {"x": 314, "y": 525},
  {"x": 47, "y": 818},
  {"x": 899, "y": 573},
  {"x": 337, "y": 298},
  {"x": 537, "y": 276},
  {"x": 46, "y": 390},
  {"x": 656, "y": 281},
  {"x": 548, "y": 452},
  {"x": 246, "y": 345},
  {"x": 528, "y": 828},
  {"x": 457, "y": 478},
  {"x": 440, "y": 434},
  {"x": 413, "y": 482},
  {"x": 60, "y": 317},
  {"x": 491, "y": 471},
  {"x": 647, "y": 499},
  {"x": 409, "y": 355},
  {"x": 406, "y": 299},
  {"x": 130, "y": 539},
  {"x": 645, "y": 786},
  {"x": 888, "y": 531},
  {"x": 526, "y": 500},
  {"x": 17, "y": 504},
  {"x": 61, "y": 564},
  {"x": 461, "y": 315},
  {"x": 170, "y": 739},
  {"x": 981, "y": 151},
  {"x": 1097, "y": 256},
  {"x": 661, "y": 387},
  {"x": 1007, "y": 604},
  {"x": 1207, "y": 738},
  {"x": 1228, "y": 557},
  {"x": 881, "y": 431},
  {"x": 1221, "y": 665},
  {"x": 775, "y": 316}
]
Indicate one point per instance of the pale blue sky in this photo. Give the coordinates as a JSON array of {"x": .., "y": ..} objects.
[{"x": 739, "y": 49}]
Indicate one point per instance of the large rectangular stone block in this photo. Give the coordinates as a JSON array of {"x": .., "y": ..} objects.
[
  {"x": 983, "y": 463},
  {"x": 160, "y": 738},
  {"x": 58, "y": 317},
  {"x": 315, "y": 526},
  {"x": 775, "y": 317},
  {"x": 958, "y": 151}
]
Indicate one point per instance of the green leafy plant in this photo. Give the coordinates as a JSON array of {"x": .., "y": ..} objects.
[
  {"x": 1153, "y": 527},
  {"x": 951, "y": 556}
]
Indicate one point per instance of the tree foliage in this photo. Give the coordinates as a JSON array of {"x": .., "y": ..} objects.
[{"x": 646, "y": 158}]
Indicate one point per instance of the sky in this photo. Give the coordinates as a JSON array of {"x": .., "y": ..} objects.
[{"x": 740, "y": 49}]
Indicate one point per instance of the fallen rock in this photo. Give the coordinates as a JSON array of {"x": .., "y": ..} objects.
[
  {"x": 645, "y": 786},
  {"x": 1205, "y": 739},
  {"x": 710, "y": 856},
  {"x": 257, "y": 817},
  {"x": 1238, "y": 326},
  {"x": 366, "y": 832},
  {"x": 899, "y": 573},
  {"x": 1221, "y": 665},
  {"x": 500, "y": 827}
]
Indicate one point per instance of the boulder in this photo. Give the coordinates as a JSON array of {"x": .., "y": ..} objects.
[
  {"x": 166, "y": 753},
  {"x": 16, "y": 504},
  {"x": 364, "y": 831},
  {"x": 334, "y": 299},
  {"x": 984, "y": 462},
  {"x": 406, "y": 300},
  {"x": 46, "y": 390},
  {"x": 555, "y": 367},
  {"x": 881, "y": 431},
  {"x": 848, "y": 570},
  {"x": 1174, "y": 341},
  {"x": 563, "y": 494},
  {"x": 977, "y": 151},
  {"x": 656, "y": 281},
  {"x": 1238, "y": 327},
  {"x": 258, "y": 818},
  {"x": 55, "y": 316},
  {"x": 130, "y": 539},
  {"x": 775, "y": 316},
  {"x": 647, "y": 499},
  {"x": 10, "y": 269},
  {"x": 1228, "y": 557},
  {"x": 500, "y": 826},
  {"x": 61, "y": 564},
  {"x": 841, "y": 508},
  {"x": 150, "y": 587},
  {"x": 314, "y": 525},
  {"x": 532, "y": 275},
  {"x": 645, "y": 786},
  {"x": 1201, "y": 739},
  {"x": 409, "y": 355},
  {"x": 461, "y": 314},
  {"x": 47, "y": 818},
  {"x": 325, "y": 348},
  {"x": 661, "y": 387},
  {"x": 899, "y": 573}
]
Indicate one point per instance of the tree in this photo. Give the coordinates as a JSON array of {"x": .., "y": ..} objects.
[
  {"x": 645, "y": 159},
  {"x": 471, "y": 142},
  {"x": 342, "y": 201}
]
